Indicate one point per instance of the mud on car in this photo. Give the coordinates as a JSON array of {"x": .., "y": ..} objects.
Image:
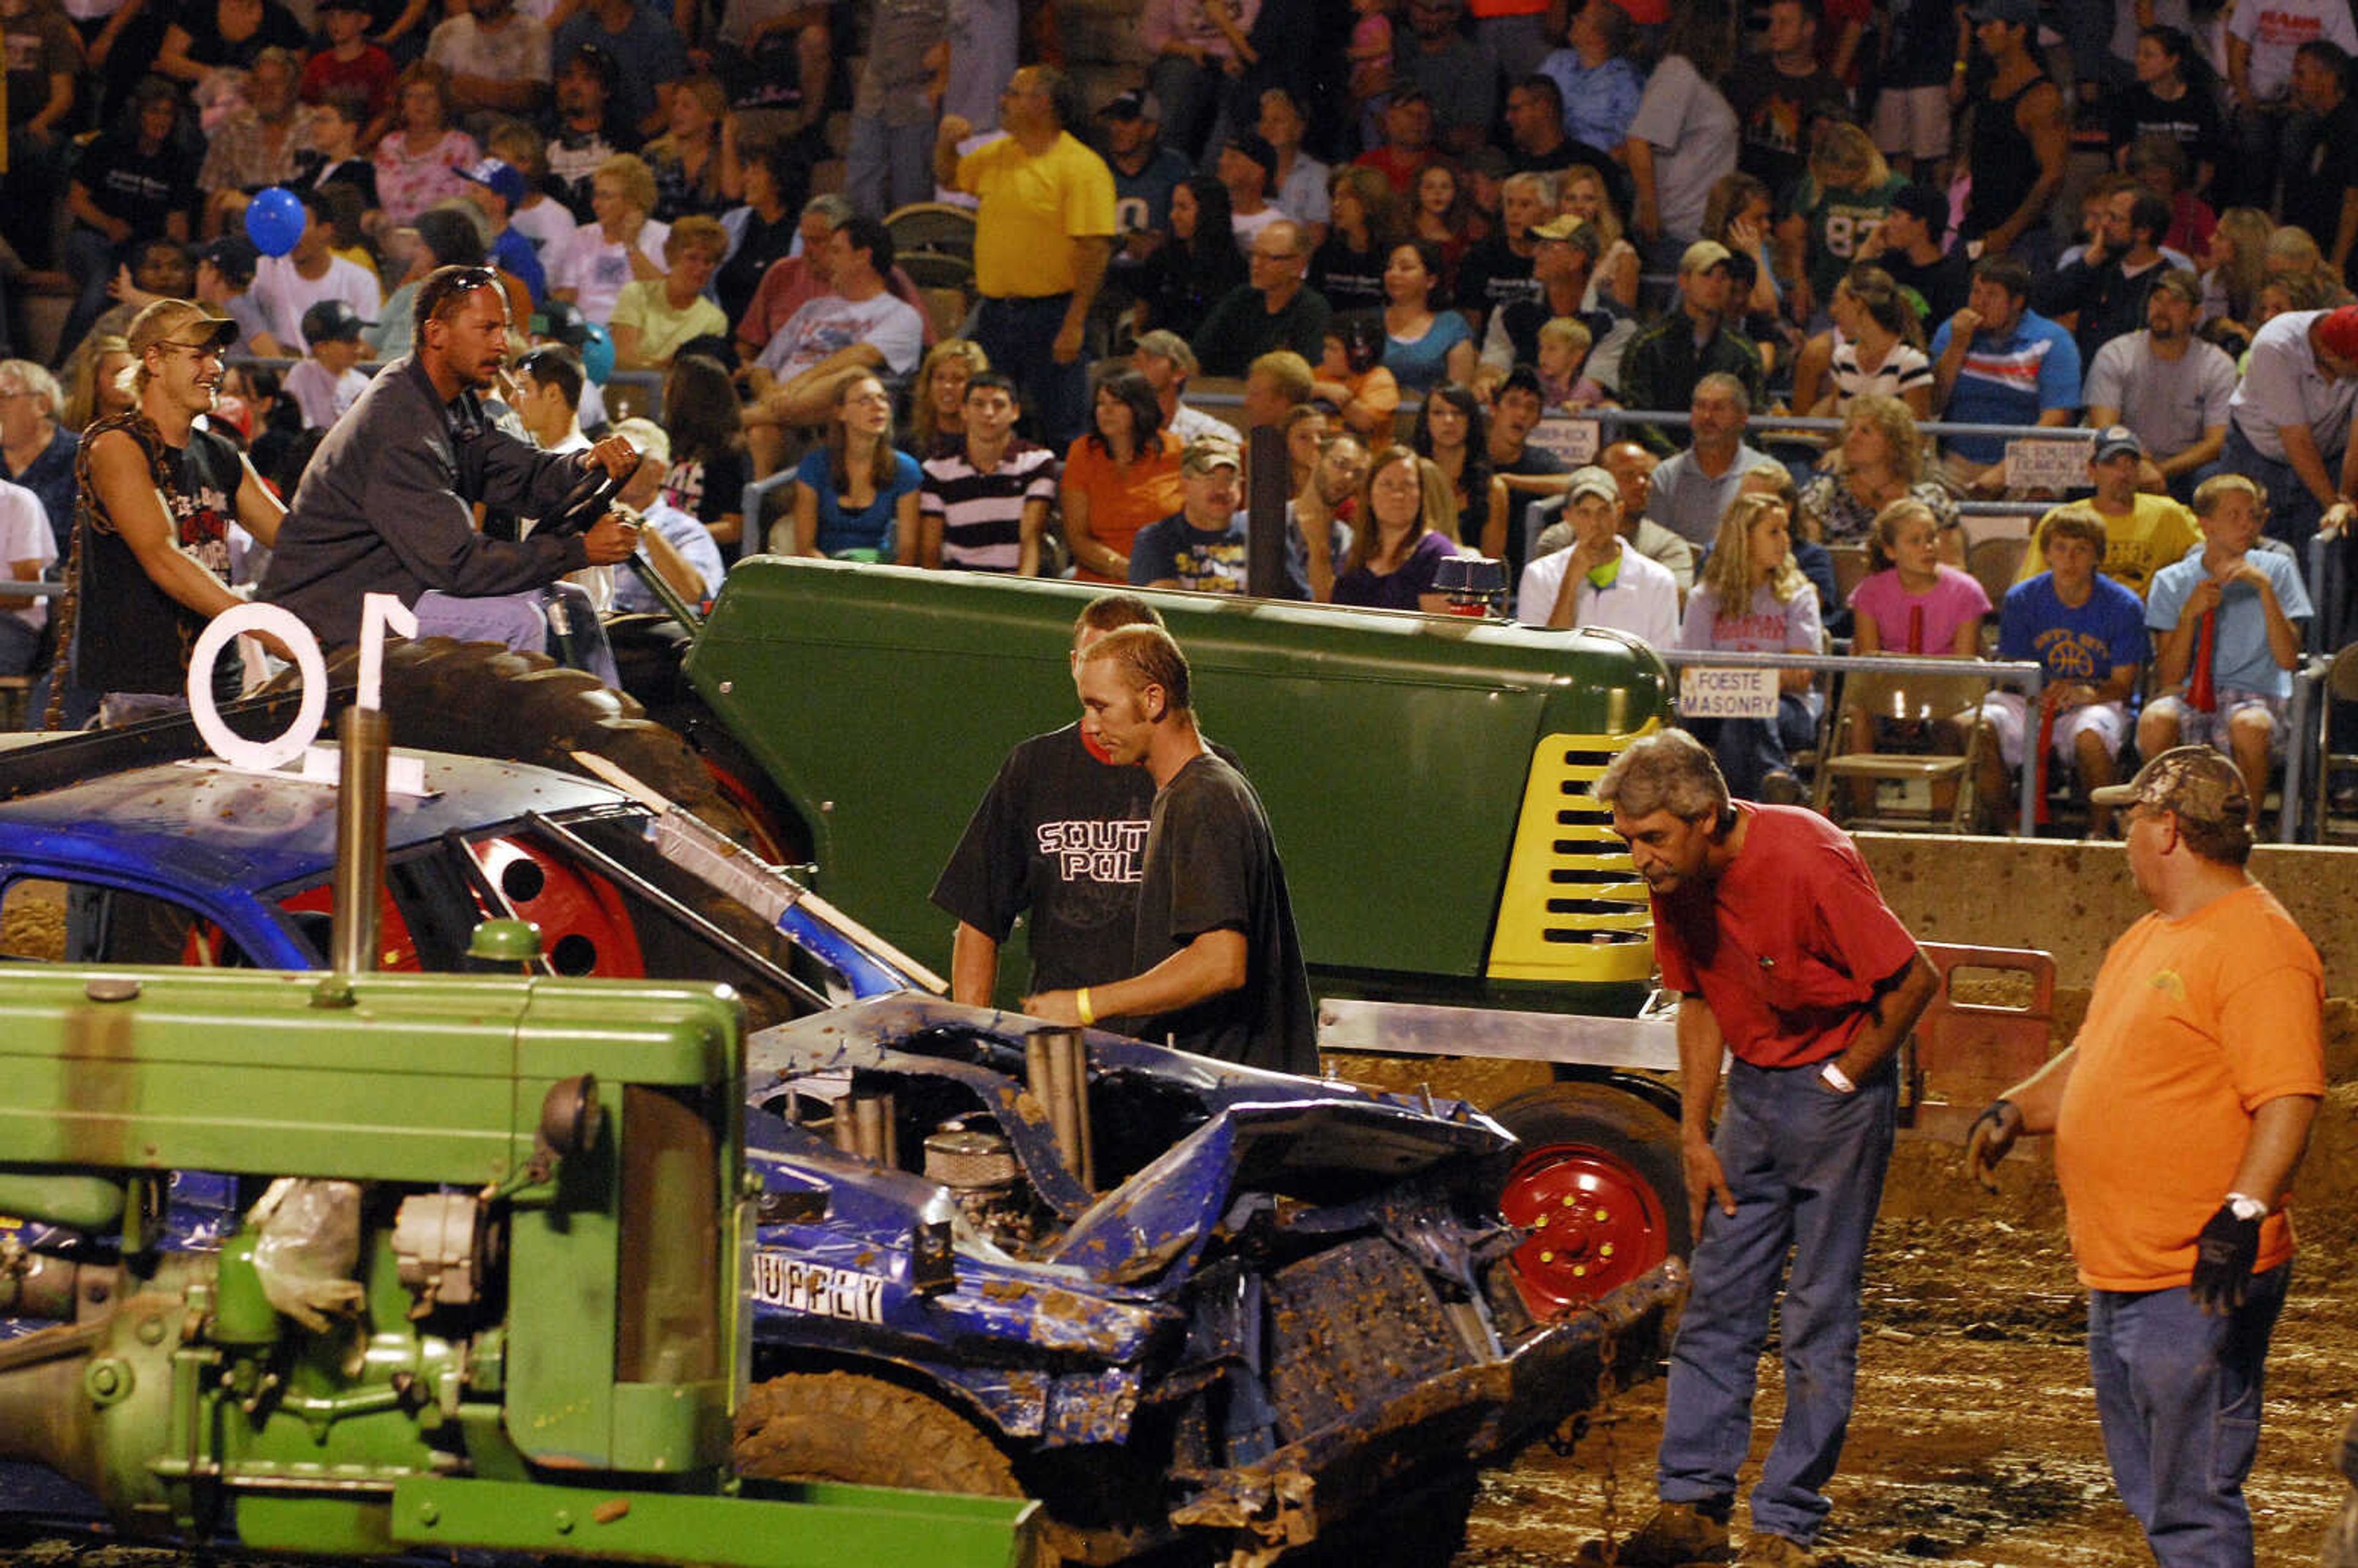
[{"x": 1186, "y": 1304}]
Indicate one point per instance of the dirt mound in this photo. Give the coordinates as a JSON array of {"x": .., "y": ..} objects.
[{"x": 33, "y": 920}]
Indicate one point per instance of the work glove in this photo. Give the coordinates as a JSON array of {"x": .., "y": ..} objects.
[
  {"x": 1987, "y": 1140},
  {"x": 2224, "y": 1255}
]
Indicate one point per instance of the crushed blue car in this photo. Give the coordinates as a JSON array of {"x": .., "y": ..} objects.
[{"x": 1182, "y": 1302}]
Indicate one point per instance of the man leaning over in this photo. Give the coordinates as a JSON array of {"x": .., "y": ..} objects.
[
  {"x": 1061, "y": 833},
  {"x": 1768, "y": 925}
]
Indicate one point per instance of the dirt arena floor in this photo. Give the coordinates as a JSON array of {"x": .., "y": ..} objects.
[{"x": 1974, "y": 1438}]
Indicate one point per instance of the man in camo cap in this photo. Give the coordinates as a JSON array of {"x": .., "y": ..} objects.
[{"x": 2179, "y": 1114}]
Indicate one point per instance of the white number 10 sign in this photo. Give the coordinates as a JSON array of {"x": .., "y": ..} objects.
[{"x": 381, "y": 613}]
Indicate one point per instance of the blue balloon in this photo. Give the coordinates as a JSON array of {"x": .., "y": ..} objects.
[
  {"x": 597, "y": 353},
  {"x": 274, "y": 221}
]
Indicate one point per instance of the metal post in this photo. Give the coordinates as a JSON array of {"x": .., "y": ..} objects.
[
  {"x": 1072, "y": 1045},
  {"x": 2302, "y": 731},
  {"x": 1060, "y": 1083},
  {"x": 1272, "y": 474},
  {"x": 365, "y": 737}
]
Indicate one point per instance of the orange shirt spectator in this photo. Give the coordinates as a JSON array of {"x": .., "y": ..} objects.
[{"x": 1119, "y": 477}]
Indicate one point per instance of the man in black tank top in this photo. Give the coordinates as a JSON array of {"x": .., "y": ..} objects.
[
  {"x": 2020, "y": 138},
  {"x": 150, "y": 564}
]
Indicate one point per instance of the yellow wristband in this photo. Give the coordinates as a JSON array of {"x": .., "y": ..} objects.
[{"x": 1081, "y": 1005}]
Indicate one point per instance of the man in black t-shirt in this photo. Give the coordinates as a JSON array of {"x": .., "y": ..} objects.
[
  {"x": 1531, "y": 471},
  {"x": 1780, "y": 98},
  {"x": 134, "y": 183},
  {"x": 2321, "y": 182},
  {"x": 1062, "y": 833},
  {"x": 1215, "y": 966},
  {"x": 1909, "y": 245},
  {"x": 584, "y": 129}
]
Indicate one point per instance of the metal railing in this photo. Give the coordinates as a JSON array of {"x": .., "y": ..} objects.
[
  {"x": 2030, "y": 672},
  {"x": 646, "y": 384},
  {"x": 1218, "y": 393}
]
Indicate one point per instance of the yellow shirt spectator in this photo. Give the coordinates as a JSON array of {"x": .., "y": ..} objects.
[
  {"x": 1033, "y": 208},
  {"x": 2152, "y": 534},
  {"x": 662, "y": 330}
]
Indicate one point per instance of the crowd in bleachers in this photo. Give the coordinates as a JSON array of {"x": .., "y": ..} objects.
[{"x": 1406, "y": 236}]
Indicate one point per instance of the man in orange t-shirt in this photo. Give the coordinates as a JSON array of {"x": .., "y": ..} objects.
[{"x": 2180, "y": 1113}]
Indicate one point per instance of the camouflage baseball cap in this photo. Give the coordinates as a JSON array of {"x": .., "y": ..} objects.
[
  {"x": 2197, "y": 783},
  {"x": 1205, "y": 453}
]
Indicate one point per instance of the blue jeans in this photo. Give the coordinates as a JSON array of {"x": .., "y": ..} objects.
[
  {"x": 520, "y": 620},
  {"x": 888, "y": 166},
  {"x": 1749, "y": 750},
  {"x": 1806, "y": 1167},
  {"x": 2178, "y": 1394},
  {"x": 1020, "y": 335},
  {"x": 2293, "y": 511},
  {"x": 91, "y": 257}
]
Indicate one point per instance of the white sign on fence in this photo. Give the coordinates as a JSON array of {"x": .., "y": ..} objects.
[
  {"x": 2035, "y": 464},
  {"x": 1574, "y": 441},
  {"x": 1705, "y": 693}
]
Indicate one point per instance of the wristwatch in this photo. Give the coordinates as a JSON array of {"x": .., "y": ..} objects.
[
  {"x": 2246, "y": 1208},
  {"x": 1836, "y": 1079}
]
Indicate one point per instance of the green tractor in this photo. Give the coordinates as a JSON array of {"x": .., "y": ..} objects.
[
  {"x": 488, "y": 1292},
  {"x": 1459, "y": 893},
  {"x": 487, "y": 1288}
]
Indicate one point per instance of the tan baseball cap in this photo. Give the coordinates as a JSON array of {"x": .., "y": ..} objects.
[
  {"x": 1593, "y": 480},
  {"x": 180, "y": 321},
  {"x": 1205, "y": 453},
  {"x": 2197, "y": 783},
  {"x": 1705, "y": 254}
]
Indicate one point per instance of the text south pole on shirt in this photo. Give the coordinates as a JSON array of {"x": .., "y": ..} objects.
[{"x": 1094, "y": 849}]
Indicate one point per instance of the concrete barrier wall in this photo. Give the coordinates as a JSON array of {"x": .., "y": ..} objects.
[{"x": 2072, "y": 899}]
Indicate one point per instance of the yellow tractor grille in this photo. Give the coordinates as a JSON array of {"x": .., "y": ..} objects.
[{"x": 1574, "y": 909}]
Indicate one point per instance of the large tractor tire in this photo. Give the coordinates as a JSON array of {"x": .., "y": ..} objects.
[
  {"x": 648, "y": 650},
  {"x": 1599, "y": 1182},
  {"x": 483, "y": 699},
  {"x": 865, "y": 1430},
  {"x": 844, "y": 1426},
  {"x": 2341, "y": 1549}
]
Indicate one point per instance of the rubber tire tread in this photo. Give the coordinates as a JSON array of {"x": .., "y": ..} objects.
[
  {"x": 846, "y": 1426},
  {"x": 484, "y": 699},
  {"x": 1614, "y": 1120},
  {"x": 2341, "y": 1549}
]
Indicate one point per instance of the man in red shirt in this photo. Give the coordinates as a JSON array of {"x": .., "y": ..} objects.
[
  {"x": 1769, "y": 925},
  {"x": 1407, "y": 145}
]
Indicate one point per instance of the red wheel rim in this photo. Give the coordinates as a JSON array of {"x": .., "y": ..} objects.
[
  {"x": 1595, "y": 1224},
  {"x": 585, "y": 928},
  {"x": 768, "y": 842}
]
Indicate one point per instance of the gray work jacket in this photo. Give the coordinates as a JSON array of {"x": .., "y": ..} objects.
[{"x": 387, "y": 507}]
